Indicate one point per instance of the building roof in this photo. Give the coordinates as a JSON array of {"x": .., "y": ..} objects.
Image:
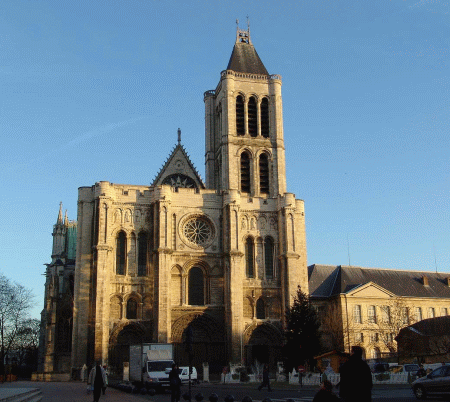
[
  {"x": 330, "y": 280},
  {"x": 244, "y": 58}
]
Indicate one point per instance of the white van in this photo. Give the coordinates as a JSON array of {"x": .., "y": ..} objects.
[{"x": 184, "y": 375}]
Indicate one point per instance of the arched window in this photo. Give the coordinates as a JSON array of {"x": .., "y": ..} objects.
[
  {"x": 245, "y": 172},
  {"x": 196, "y": 287},
  {"x": 265, "y": 118},
  {"x": 263, "y": 174},
  {"x": 142, "y": 254},
  {"x": 268, "y": 257},
  {"x": 240, "y": 122},
  {"x": 249, "y": 253},
  {"x": 131, "y": 309},
  {"x": 121, "y": 253},
  {"x": 252, "y": 117},
  {"x": 260, "y": 309}
]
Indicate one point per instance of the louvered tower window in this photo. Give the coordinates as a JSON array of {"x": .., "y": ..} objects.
[
  {"x": 252, "y": 117},
  {"x": 268, "y": 257},
  {"x": 142, "y": 253},
  {"x": 240, "y": 121},
  {"x": 245, "y": 172},
  {"x": 249, "y": 251},
  {"x": 265, "y": 118},
  {"x": 121, "y": 247},
  {"x": 263, "y": 174}
]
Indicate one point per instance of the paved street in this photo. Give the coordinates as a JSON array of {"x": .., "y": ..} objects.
[{"x": 76, "y": 392}]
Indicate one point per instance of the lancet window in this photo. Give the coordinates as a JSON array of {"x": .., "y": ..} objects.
[
  {"x": 268, "y": 257},
  {"x": 142, "y": 253},
  {"x": 263, "y": 174},
  {"x": 245, "y": 172},
  {"x": 240, "y": 119},
  {"x": 249, "y": 258},
  {"x": 196, "y": 295},
  {"x": 121, "y": 253}
]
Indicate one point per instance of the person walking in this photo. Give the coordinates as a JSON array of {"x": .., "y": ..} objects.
[
  {"x": 325, "y": 393},
  {"x": 97, "y": 379},
  {"x": 356, "y": 378},
  {"x": 175, "y": 383},
  {"x": 266, "y": 379}
]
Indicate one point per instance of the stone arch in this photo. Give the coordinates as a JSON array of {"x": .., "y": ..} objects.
[
  {"x": 205, "y": 327},
  {"x": 196, "y": 263},
  {"x": 128, "y": 333},
  {"x": 266, "y": 152},
  {"x": 263, "y": 343},
  {"x": 209, "y": 340},
  {"x": 124, "y": 334},
  {"x": 245, "y": 149}
]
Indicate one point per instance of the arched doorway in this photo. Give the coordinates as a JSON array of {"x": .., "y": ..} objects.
[
  {"x": 208, "y": 346},
  {"x": 263, "y": 344},
  {"x": 122, "y": 336}
]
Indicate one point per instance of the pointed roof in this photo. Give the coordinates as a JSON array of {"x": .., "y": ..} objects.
[
  {"x": 178, "y": 170},
  {"x": 244, "y": 58},
  {"x": 60, "y": 218}
]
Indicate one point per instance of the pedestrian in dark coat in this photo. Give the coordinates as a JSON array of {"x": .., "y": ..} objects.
[
  {"x": 266, "y": 379},
  {"x": 175, "y": 383},
  {"x": 97, "y": 379},
  {"x": 356, "y": 378},
  {"x": 325, "y": 393}
]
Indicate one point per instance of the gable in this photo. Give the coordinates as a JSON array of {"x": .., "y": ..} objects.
[
  {"x": 179, "y": 171},
  {"x": 370, "y": 290}
]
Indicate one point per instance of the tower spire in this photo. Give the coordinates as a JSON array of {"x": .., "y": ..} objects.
[
  {"x": 66, "y": 218},
  {"x": 60, "y": 219},
  {"x": 179, "y": 136}
]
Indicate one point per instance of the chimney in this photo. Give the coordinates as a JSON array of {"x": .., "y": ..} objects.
[
  {"x": 425, "y": 280},
  {"x": 448, "y": 282}
]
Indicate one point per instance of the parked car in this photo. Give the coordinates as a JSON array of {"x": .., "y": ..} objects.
[
  {"x": 184, "y": 375},
  {"x": 435, "y": 383},
  {"x": 405, "y": 368},
  {"x": 380, "y": 368}
]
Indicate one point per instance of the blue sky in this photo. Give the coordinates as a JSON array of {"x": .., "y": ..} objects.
[{"x": 94, "y": 91}]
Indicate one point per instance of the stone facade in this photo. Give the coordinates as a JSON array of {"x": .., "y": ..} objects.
[{"x": 225, "y": 257}]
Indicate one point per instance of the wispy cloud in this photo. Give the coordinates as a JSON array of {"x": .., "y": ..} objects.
[{"x": 82, "y": 138}]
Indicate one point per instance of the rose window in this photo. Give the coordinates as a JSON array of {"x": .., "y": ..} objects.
[{"x": 198, "y": 231}]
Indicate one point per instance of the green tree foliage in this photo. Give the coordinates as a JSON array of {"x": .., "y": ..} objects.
[{"x": 302, "y": 332}]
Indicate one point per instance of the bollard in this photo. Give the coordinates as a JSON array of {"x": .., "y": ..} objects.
[
  {"x": 186, "y": 396},
  {"x": 199, "y": 397},
  {"x": 213, "y": 397},
  {"x": 229, "y": 398},
  {"x": 247, "y": 399}
]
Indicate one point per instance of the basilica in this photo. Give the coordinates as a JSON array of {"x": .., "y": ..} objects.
[{"x": 224, "y": 256}]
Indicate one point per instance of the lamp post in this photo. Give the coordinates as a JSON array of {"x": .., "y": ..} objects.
[{"x": 189, "y": 342}]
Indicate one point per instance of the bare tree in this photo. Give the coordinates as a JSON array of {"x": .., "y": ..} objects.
[
  {"x": 333, "y": 330},
  {"x": 15, "y": 303},
  {"x": 26, "y": 342},
  {"x": 396, "y": 314}
]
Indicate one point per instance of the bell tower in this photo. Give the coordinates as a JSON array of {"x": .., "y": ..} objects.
[{"x": 244, "y": 126}]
